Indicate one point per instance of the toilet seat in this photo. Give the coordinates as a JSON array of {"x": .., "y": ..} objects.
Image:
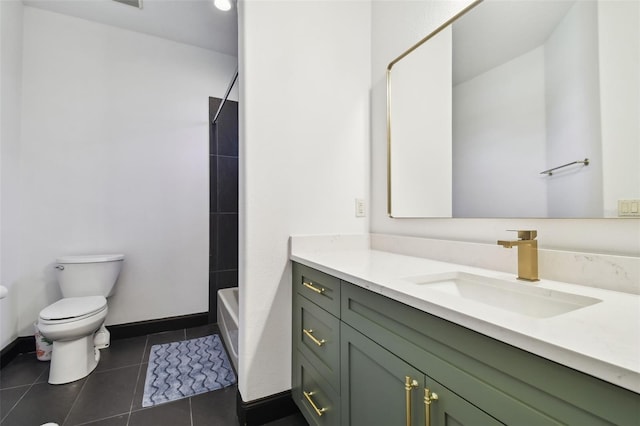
[
  {"x": 91, "y": 258},
  {"x": 72, "y": 309}
]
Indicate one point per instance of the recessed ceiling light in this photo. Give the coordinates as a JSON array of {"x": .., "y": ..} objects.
[{"x": 222, "y": 4}]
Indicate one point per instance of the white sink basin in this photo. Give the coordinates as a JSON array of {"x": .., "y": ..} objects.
[{"x": 522, "y": 298}]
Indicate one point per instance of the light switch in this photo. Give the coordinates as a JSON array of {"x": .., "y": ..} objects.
[
  {"x": 629, "y": 208},
  {"x": 360, "y": 208}
]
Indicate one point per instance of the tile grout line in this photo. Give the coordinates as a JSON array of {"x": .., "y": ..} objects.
[
  {"x": 108, "y": 370},
  {"x": 135, "y": 388},
  {"x": 99, "y": 420},
  {"x": 74, "y": 402},
  {"x": 35, "y": 382},
  {"x": 17, "y": 402}
]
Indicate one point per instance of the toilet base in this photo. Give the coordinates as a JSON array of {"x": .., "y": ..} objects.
[
  {"x": 72, "y": 360},
  {"x": 102, "y": 338}
]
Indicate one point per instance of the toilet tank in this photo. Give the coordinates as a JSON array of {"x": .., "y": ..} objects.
[{"x": 91, "y": 275}]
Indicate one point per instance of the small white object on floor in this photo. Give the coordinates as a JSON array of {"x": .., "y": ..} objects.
[{"x": 50, "y": 424}]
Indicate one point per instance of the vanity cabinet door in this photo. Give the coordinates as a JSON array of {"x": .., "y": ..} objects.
[
  {"x": 316, "y": 334},
  {"x": 449, "y": 409},
  {"x": 373, "y": 384},
  {"x": 379, "y": 388},
  {"x": 318, "y": 402}
]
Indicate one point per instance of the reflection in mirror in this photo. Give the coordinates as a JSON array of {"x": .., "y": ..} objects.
[
  {"x": 535, "y": 85},
  {"x": 422, "y": 148}
]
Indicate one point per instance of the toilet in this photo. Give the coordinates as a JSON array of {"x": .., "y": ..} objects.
[{"x": 75, "y": 323}]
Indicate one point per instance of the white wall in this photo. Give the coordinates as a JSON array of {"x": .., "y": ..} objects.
[
  {"x": 619, "y": 48},
  {"x": 500, "y": 114},
  {"x": 10, "y": 88},
  {"x": 114, "y": 158},
  {"x": 397, "y": 25},
  {"x": 573, "y": 114},
  {"x": 304, "y": 137}
]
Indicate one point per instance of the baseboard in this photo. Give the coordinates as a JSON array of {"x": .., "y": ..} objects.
[
  {"x": 21, "y": 345},
  {"x": 264, "y": 410},
  {"x": 26, "y": 344},
  {"x": 141, "y": 328}
]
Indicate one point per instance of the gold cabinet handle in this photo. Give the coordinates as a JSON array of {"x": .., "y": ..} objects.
[
  {"x": 318, "y": 411},
  {"x": 311, "y": 287},
  {"x": 429, "y": 397},
  {"x": 409, "y": 384},
  {"x": 310, "y": 335}
]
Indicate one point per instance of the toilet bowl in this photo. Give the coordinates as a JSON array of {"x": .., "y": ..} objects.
[{"x": 72, "y": 322}]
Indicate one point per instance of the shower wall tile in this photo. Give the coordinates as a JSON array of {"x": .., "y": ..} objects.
[
  {"x": 223, "y": 208},
  {"x": 223, "y": 234},
  {"x": 213, "y": 298},
  {"x": 226, "y": 252},
  {"x": 227, "y": 130},
  {"x": 214, "y": 103},
  {"x": 226, "y": 279},
  {"x": 213, "y": 183},
  {"x": 227, "y": 179}
]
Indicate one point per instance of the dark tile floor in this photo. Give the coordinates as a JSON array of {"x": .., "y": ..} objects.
[{"x": 112, "y": 394}]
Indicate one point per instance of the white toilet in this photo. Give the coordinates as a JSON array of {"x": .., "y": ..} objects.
[{"x": 71, "y": 323}]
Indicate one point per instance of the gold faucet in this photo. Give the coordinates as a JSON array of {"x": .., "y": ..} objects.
[{"x": 527, "y": 254}]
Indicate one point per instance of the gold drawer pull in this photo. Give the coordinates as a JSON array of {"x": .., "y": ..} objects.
[
  {"x": 311, "y": 287},
  {"x": 409, "y": 384},
  {"x": 312, "y": 337},
  {"x": 429, "y": 397},
  {"x": 318, "y": 411}
]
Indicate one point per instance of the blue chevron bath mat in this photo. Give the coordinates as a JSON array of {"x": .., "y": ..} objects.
[{"x": 182, "y": 369}]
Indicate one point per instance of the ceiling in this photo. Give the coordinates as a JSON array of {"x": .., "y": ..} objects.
[
  {"x": 194, "y": 22},
  {"x": 497, "y": 31}
]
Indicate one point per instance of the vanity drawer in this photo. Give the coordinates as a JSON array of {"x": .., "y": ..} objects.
[
  {"x": 317, "y": 401},
  {"x": 317, "y": 335},
  {"x": 320, "y": 288}
]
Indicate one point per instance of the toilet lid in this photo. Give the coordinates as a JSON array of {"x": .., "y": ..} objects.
[{"x": 74, "y": 307}]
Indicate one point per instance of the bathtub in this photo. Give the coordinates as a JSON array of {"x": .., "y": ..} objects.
[{"x": 228, "y": 321}]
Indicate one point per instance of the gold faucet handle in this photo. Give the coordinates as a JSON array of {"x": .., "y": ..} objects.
[{"x": 530, "y": 234}]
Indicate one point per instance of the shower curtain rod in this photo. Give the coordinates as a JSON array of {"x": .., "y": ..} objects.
[{"x": 226, "y": 95}]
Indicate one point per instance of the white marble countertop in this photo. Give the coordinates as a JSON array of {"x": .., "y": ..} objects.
[{"x": 602, "y": 340}]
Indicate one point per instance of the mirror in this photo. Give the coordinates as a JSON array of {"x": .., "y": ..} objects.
[{"x": 481, "y": 108}]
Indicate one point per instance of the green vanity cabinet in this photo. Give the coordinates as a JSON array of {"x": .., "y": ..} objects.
[
  {"x": 318, "y": 339},
  {"x": 373, "y": 384},
  {"x": 318, "y": 402},
  {"x": 372, "y": 344},
  {"x": 316, "y": 345},
  {"x": 379, "y": 388},
  {"x": 318, "y": 287}
]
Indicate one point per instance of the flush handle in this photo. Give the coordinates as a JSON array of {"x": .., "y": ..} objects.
[{"x": 59, "y": 267}]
